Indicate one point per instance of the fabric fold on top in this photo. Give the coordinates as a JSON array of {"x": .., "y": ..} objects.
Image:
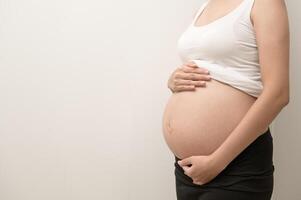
[{"x": 231, "y": 77}]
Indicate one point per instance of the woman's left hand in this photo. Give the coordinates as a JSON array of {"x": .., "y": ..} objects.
[{"x": 203, "y": 168}]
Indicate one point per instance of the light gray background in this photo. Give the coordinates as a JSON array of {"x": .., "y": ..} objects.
[{"x": 83, "y": 88}]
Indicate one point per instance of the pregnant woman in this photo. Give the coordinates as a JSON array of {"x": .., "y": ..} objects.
[{"x": 219, "y": 130}]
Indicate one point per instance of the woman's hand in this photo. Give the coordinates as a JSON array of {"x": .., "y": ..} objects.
[
  {"x": 187, "y": 77},
  {"x": 201, "y": 169}
]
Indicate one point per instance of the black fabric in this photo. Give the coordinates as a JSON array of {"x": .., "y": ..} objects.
[{"x": 250, "y": 175}]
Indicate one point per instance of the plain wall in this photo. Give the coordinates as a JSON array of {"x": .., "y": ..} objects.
[
  {"x": 287, "y": 126},
  {"x": 83, "y": 86}
]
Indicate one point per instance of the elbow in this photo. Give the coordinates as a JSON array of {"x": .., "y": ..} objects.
[
  {"x": 284, "y": 97},
  {"x": 280, "y": 96},
  {"x": 285, "y": 100}
]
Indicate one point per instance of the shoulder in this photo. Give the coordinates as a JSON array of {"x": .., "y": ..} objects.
[{"x": 264, "y": 10}]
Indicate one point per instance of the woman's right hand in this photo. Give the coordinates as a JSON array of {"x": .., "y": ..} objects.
[{"x": 187, "y": 77}]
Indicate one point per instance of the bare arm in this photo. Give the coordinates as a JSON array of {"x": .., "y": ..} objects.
[{"x": 272, "y": 33}]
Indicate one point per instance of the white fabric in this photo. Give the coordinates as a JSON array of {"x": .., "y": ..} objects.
[{"x": 226, "y": 47}]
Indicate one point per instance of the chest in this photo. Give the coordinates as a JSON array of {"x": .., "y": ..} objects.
[{"x": 221, "y": 42}]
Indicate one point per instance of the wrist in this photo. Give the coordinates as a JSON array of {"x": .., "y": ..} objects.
[{"x": 219, "y": 161}]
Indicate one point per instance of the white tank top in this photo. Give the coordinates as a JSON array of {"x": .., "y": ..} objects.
[{"x": 226, "y": 47}]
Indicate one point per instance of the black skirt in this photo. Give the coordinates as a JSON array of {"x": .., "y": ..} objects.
[{"x": 249, "y": 176}]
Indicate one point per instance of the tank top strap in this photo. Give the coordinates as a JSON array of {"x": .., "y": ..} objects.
[
  {"x": 199, "y": 11},
  {"x": 241, "y": 10},
  {"x": 250, "y": 4},
  {"x": 245, "y": 12}
]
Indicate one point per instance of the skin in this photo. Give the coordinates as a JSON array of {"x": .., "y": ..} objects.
[
  {"x": 187, "y": 77},
  {"x": 270, "y": 21}
]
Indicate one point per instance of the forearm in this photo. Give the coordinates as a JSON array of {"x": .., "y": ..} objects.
[{"x": 254, "y": 123}]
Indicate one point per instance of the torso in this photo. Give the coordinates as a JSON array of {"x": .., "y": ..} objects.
[{"x": 197, "y": 122}]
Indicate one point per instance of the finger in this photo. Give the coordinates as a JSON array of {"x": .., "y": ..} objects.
[
  {"x": 188, "y": 68},
  {"x": 198, "y": 182},
  {"x": 191, "y": 64},
  {"x": 197, "y": 70},
  {"x": 178, "y": 82},
  {"x": 192, "y": 76},
  {"x": 187, "y": 170},
  {"x": 185, "y": 161},
  {"x": 194, "y": 67},
  {"x": 180, "y": 88},
  {"x": 190, "y": 82}
]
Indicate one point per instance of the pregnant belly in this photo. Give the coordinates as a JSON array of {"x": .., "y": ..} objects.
[{"x": 197, "y": 122}]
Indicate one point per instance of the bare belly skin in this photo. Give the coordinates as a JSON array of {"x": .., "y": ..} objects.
[{"x": 197, "y": 122}]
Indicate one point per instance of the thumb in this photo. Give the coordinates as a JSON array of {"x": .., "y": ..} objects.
[
  {"x": 191, "y": 64},
  {"x": 185, "y": 161}
]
